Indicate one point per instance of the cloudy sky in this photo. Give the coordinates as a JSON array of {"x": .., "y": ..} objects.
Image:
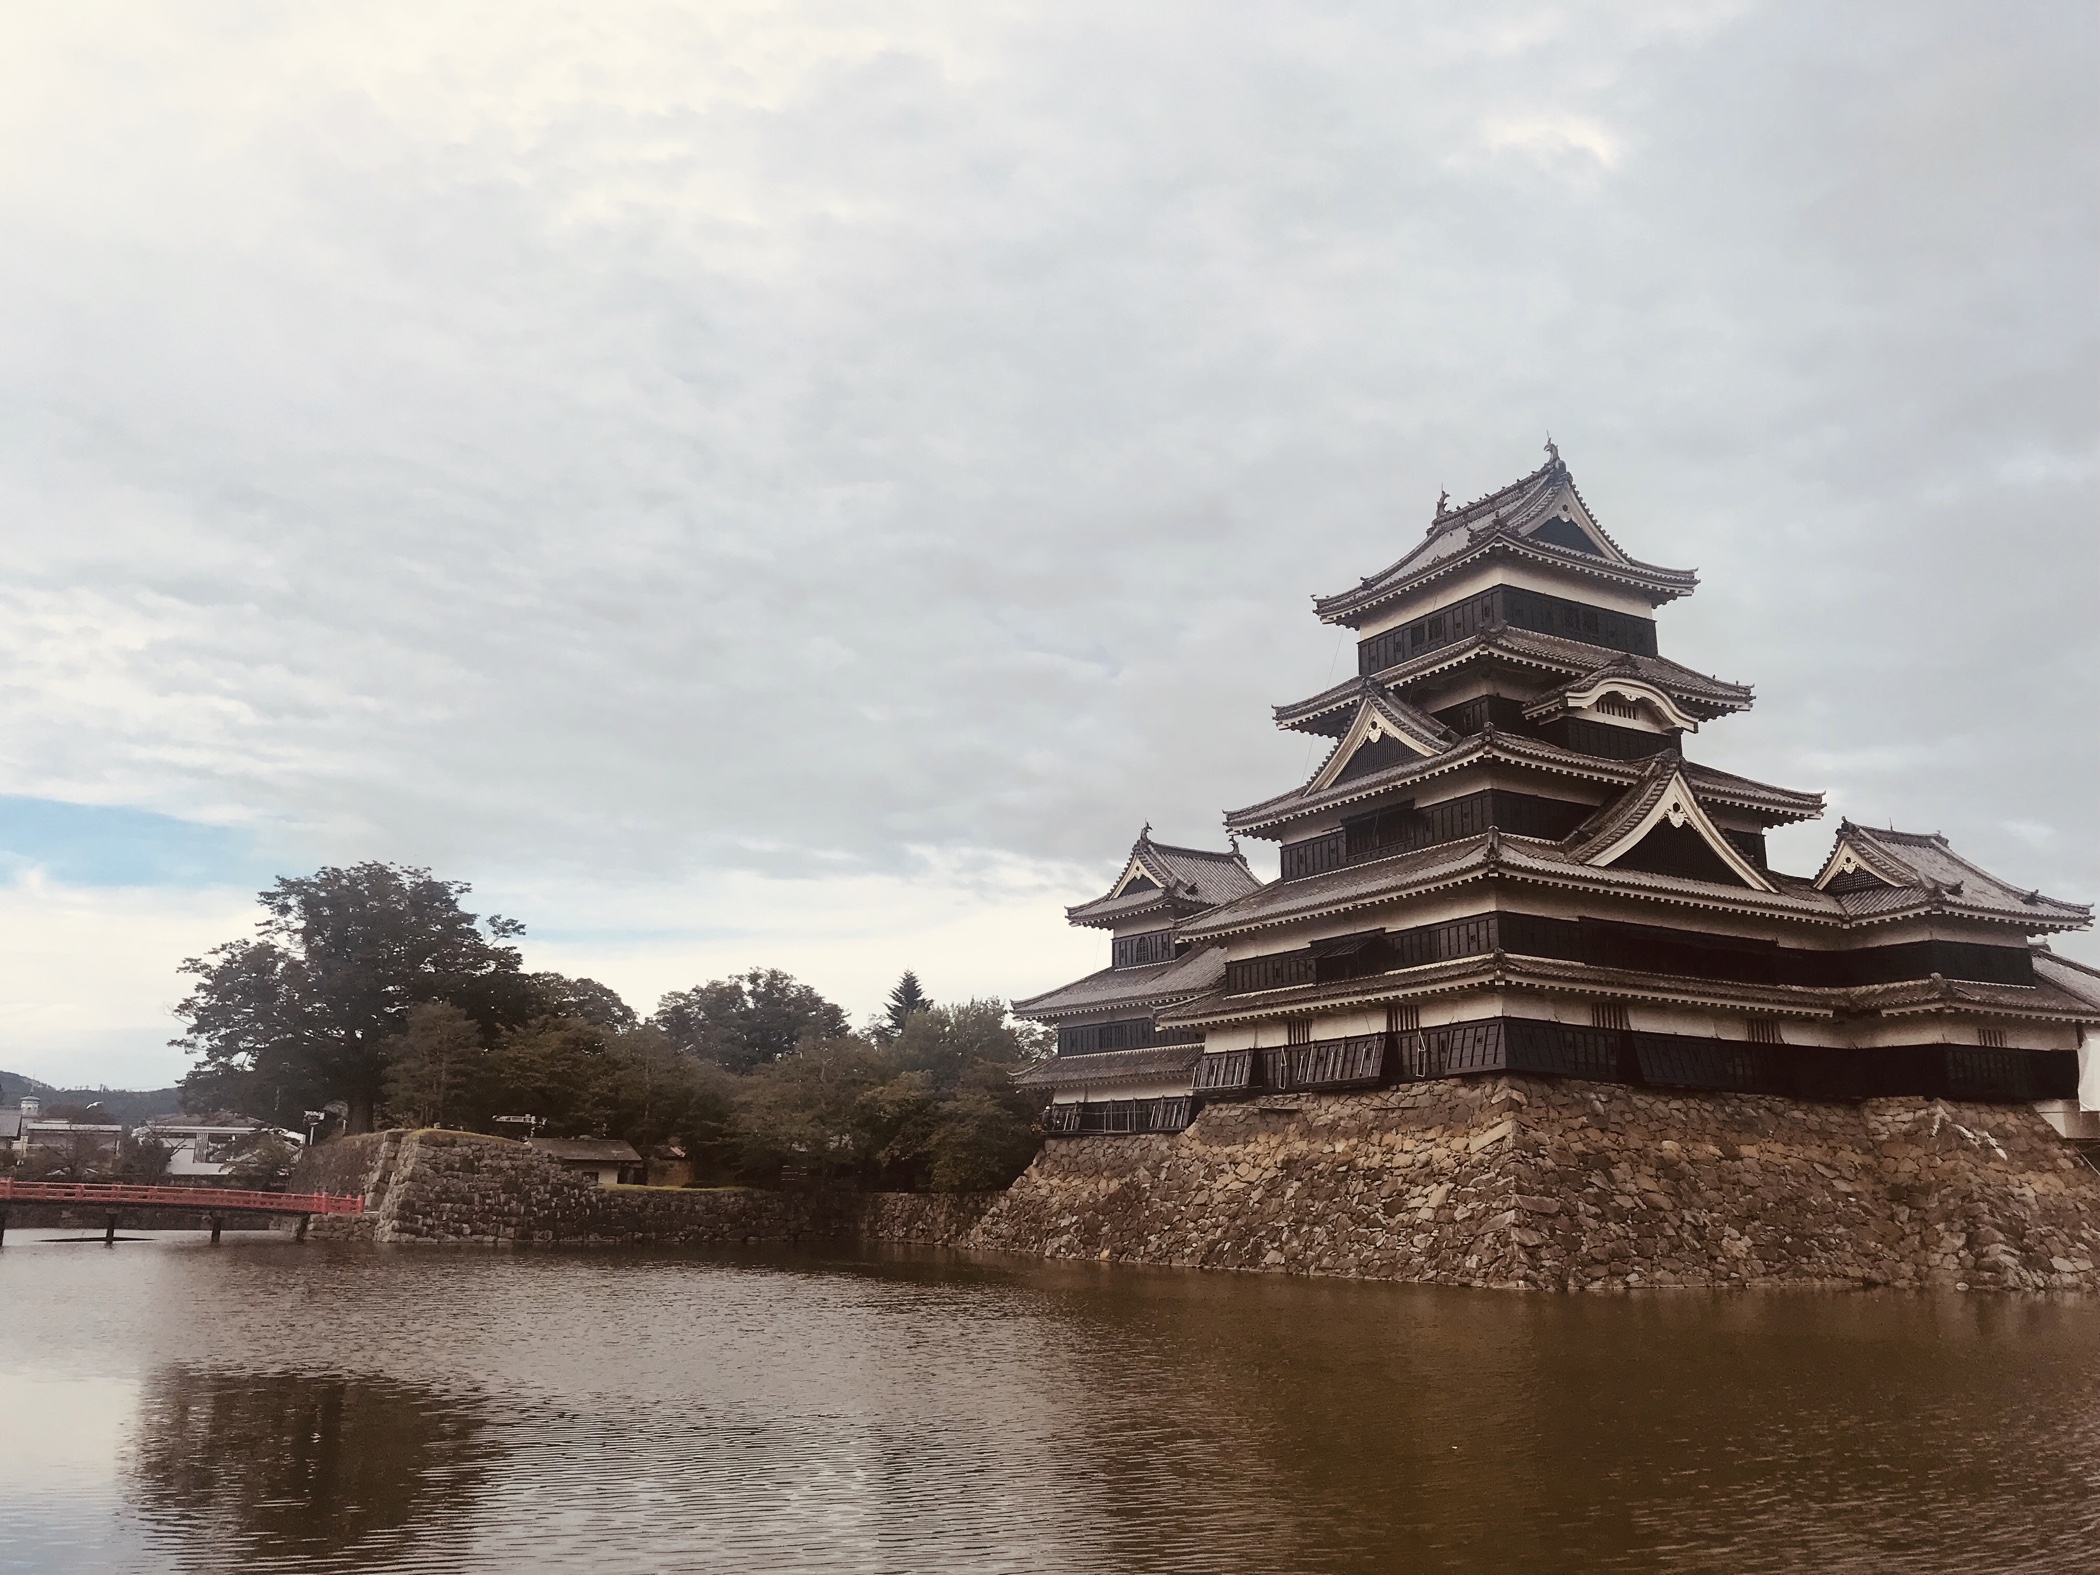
[{"x": 800, "y": 484}]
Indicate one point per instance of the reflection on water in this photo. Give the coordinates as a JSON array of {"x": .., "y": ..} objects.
[
  {"x": 287, "y": 1468},
  {"x": 317, "y": 1408}
]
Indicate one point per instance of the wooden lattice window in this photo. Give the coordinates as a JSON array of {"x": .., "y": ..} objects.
[
  {"x": 1765, "y": 1031},
  {"x": 1298, "y": 1031},
  {"x": 1403, "y": 1019},
  {"x": 1609, "y": 1014},
  {"x": 1991, "y": 1038},
  {"x": 1618, "y": 705}
]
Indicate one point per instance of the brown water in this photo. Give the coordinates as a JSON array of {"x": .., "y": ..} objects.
[{"x": 265, "y": 1406}]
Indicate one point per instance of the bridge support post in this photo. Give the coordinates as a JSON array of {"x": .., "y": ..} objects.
[
  {"x": 3, "y": 1226},
  {"x": 300, "y": 1233},
  {"x": 109, "y": 1232},
  {"x": 215, "y": 1223}
]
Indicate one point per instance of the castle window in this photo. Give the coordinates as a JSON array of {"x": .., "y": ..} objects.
[
  {"x": 1991, "y": 1038},
  {"x": 1403, "y": 1019},
  {"x": 1298, "y": 1031},
  {"x": 1609, "y": 1014},
  {"x": 1618, "y": 705},
  {"x": 1765, "y": 1031},
  {"x": 1139, "y": 951}
]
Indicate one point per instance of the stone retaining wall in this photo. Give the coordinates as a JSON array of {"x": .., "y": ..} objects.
[
  {"x": 1531, "y": 1182},
  {"x": 464, "y": 1188},
  {"x": 1500, "y": 1181}
]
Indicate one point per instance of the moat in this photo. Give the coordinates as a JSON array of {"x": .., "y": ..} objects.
[{"x": 264, "y": 1406}]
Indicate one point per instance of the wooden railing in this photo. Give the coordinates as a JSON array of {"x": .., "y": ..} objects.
[
  {"x": 1116, "y": 1116},
  {"x": 212, "y": 1199},
  {"x": 1355, "y": 1062}
]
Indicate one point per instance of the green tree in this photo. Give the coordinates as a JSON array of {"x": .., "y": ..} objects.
[
  {"x": 979, "y": 1131},
  {"x": 656, "y": 1095},
  {"x": 748, "y": 1019},
  {"x": 309, "y": 1010},
  {"x": 561, "y": 1069},
  {"x": 143, "y": 1162},
  {"x": 904, "y": 1002},
  {"x": 433, "y": 1071},
  {"x": 69, "y": 1156},
  {"x": 557, "y": 995},
  {"x": 985, "y": 1136},
  {"x": 804, "y": 1109},
  {"x": 262, "y": 1161}
]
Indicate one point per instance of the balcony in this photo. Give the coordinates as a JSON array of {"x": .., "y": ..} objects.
[{"x": 1117, "y": 1117}]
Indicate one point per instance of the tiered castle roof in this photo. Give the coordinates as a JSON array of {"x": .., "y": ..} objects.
[{"x": 1507, "y": 823}]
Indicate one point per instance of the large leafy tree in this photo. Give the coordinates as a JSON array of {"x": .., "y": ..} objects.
[
  {"x": 934, "y": 1108},
  {"x": 311, "y": 1008},
  {"x": 748, "y": 1019}
]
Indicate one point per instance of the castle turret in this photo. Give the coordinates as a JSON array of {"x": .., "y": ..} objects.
[{"x": 1509, "y": 860}]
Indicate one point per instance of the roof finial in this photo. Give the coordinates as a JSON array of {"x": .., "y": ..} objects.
[
  {"x": 1443, "y": 502},
  {"x": 1552, "y": 449},
  {"x": 1146, "y": 834}
]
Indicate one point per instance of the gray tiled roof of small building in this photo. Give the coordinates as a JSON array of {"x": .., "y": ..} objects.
[
  {"x": 1134, "y": 904},
  {"x": 1935, "y": 864},
  {"x": 2072, "y": 977},
  {"x": 609, "y": 1150},
  {"x": 1111, "y": 1066},
  {"x": 1216, "y": 877},
  {"x": 1191, "y": 974},
  {"x": 1190, "y": 879}
]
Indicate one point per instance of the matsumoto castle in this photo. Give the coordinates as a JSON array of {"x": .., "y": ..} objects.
[{"x": 1508, "y": 863}]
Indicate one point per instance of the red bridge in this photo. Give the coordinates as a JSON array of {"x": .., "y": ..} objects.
[{"x": 213, "y": 1201}]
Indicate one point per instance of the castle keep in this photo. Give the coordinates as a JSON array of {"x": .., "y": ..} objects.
[{"x": 1508, "y": 863}]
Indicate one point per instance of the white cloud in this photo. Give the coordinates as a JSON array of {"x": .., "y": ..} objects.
[
  {"x": 90, "y": 979},
  {"x": 1551, "y": 138},
  {"x": 612, "y": 448}
]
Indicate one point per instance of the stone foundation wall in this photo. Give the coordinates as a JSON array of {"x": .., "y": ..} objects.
[
  {"x": 343, "y": 1165},
  {"x": 941, "y": 1219},
  {"x": 467, "y": 1189},
  {"x": 1503, "y": 1181},
  {"x": 1528, "y": 1182}
]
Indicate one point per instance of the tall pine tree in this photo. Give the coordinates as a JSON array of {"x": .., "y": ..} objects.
[{"x": 906, "y": 999}]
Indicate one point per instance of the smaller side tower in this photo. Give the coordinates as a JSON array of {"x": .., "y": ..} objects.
[{"x": 1117, "y": 1069}]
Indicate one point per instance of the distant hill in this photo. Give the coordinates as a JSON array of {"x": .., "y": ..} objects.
[{"x": 127, "y": 1105}]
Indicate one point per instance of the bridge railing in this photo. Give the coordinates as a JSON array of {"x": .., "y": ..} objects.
[{"x": 180, "y": 1197}]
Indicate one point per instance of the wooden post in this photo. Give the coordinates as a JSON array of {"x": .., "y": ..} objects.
[
  {"x": 109, "y": 1232},
  {"x": 300, "y": 1233},
  {"x": 215, "y": 1230},
  {"x": 3, "y": 1227}
]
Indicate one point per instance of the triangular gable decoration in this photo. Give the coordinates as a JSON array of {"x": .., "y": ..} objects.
[
  {"x": 1855, "y": 865},
  {"x": 1136, "y": 877},
  {"x": 1378, "y": 737},
  {"x": 1676, "y": 837},
  {"x": 1559, "y": 531}
]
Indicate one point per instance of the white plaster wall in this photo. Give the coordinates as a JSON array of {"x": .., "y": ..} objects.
[{"x": 1471, "y": 582}]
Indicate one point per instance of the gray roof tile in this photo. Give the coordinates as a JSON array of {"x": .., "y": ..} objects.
[{"x": 1200, "y": 970}]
